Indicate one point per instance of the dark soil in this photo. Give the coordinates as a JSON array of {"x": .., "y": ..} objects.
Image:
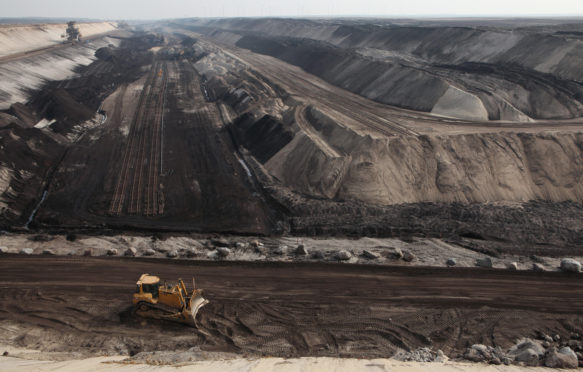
[
  {"x": 206, "y": 188},
  {"x": 76, "y": 100},
  {"x": 81, "y": 304},
  {"x": 201, "y": 184}
]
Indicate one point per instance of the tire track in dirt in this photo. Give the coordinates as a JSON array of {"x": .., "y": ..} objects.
[{"x": 285, "y": 309}]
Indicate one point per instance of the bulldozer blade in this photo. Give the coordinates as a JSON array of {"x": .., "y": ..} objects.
[{"x": 196, "y": 302}]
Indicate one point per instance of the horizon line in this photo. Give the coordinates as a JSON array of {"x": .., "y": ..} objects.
[{"x": 337, "y": 16}]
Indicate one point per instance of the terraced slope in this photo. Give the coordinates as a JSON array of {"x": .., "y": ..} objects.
[
  {"x": 476, "y": 73},
  {"x": 326, "y": 142}
]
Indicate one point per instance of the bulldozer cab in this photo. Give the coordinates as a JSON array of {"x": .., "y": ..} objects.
[{"x": 148, "y": 286}]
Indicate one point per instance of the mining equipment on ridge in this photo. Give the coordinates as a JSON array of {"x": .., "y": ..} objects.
[
  {"x": 72, "y": 33},
  {"x": 167, "y": 301}
]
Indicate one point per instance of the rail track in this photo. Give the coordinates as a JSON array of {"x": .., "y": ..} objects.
[
  {"x": 140, "y": 164},
  {"x": 153, "y": 205},
  {"x": 118, "y": 198}
]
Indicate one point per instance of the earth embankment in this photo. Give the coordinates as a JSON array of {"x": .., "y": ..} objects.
[{"x": 429, "y": 168}]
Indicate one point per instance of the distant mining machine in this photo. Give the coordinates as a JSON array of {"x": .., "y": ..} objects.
[
  {"x": 168, "y": 301},
  {"x": 72, "y": 33}
]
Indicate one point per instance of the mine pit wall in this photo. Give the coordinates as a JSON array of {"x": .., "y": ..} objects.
[
  {"x": 22, "y": 38},
  {"x": 556, "y": 54},
  {"x": 387, "y": 83},
  {"x": 429, "y": 88},
  {"x": 29, "y": 156},
  {"x": 406, "y": 66},
  {"x": 6, "y": 175},
  {"x": 468, "y": 168},
  {"x": 24, "y": 76},
  {"x": 431, "y": 168}
]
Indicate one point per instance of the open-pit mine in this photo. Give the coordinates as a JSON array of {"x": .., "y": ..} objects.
[{"x": 354, "y": 188}]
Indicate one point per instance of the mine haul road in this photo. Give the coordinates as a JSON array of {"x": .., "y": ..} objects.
[{"x": 285, "y": 309}]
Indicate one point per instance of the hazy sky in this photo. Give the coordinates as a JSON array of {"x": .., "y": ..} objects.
[{"x": 150, "y": 9}]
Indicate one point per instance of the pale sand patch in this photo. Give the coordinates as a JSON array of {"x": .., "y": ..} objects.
[
  {"x": 20, "y": 38},
  {"x": 5, "y": 179},
  {"x": 9, "y": 364},
  {"x": 20, "y": 76},
  {"x": 460, "y": 104}
]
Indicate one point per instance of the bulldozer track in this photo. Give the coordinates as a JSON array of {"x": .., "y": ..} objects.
[{"x": 403, "y": 285}]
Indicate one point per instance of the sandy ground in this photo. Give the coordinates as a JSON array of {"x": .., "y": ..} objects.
[
  {"x": 20, "y": 38},
  {"x": 9, "y": 364},
  {"x": 32, "y": 360}
]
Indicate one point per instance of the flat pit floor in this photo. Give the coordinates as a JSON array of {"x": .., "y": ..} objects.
[
  {"x": 161, "y": 160},
  {"x": 82, "y": 305}
]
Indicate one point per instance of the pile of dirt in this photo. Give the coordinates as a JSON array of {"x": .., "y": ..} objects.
[{"x": 525, "y": 229}]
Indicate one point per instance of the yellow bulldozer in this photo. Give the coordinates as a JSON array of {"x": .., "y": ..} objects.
[{"x": 167, "y": 301}]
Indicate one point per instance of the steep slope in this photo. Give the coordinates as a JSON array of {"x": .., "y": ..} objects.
[
  {"x": 22, "y": 76},
  {"x": 318, "y": 151},
  {"x": 29, "y": 155},
  {"x": 475, "y": 73},
  {"x": 22, "y": 38},
  {"x": 430, "y": 168},
  {"x": 37, "y": 134}
]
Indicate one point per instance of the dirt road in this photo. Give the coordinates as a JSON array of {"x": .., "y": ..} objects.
[{"x": 81, "y": 304}]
